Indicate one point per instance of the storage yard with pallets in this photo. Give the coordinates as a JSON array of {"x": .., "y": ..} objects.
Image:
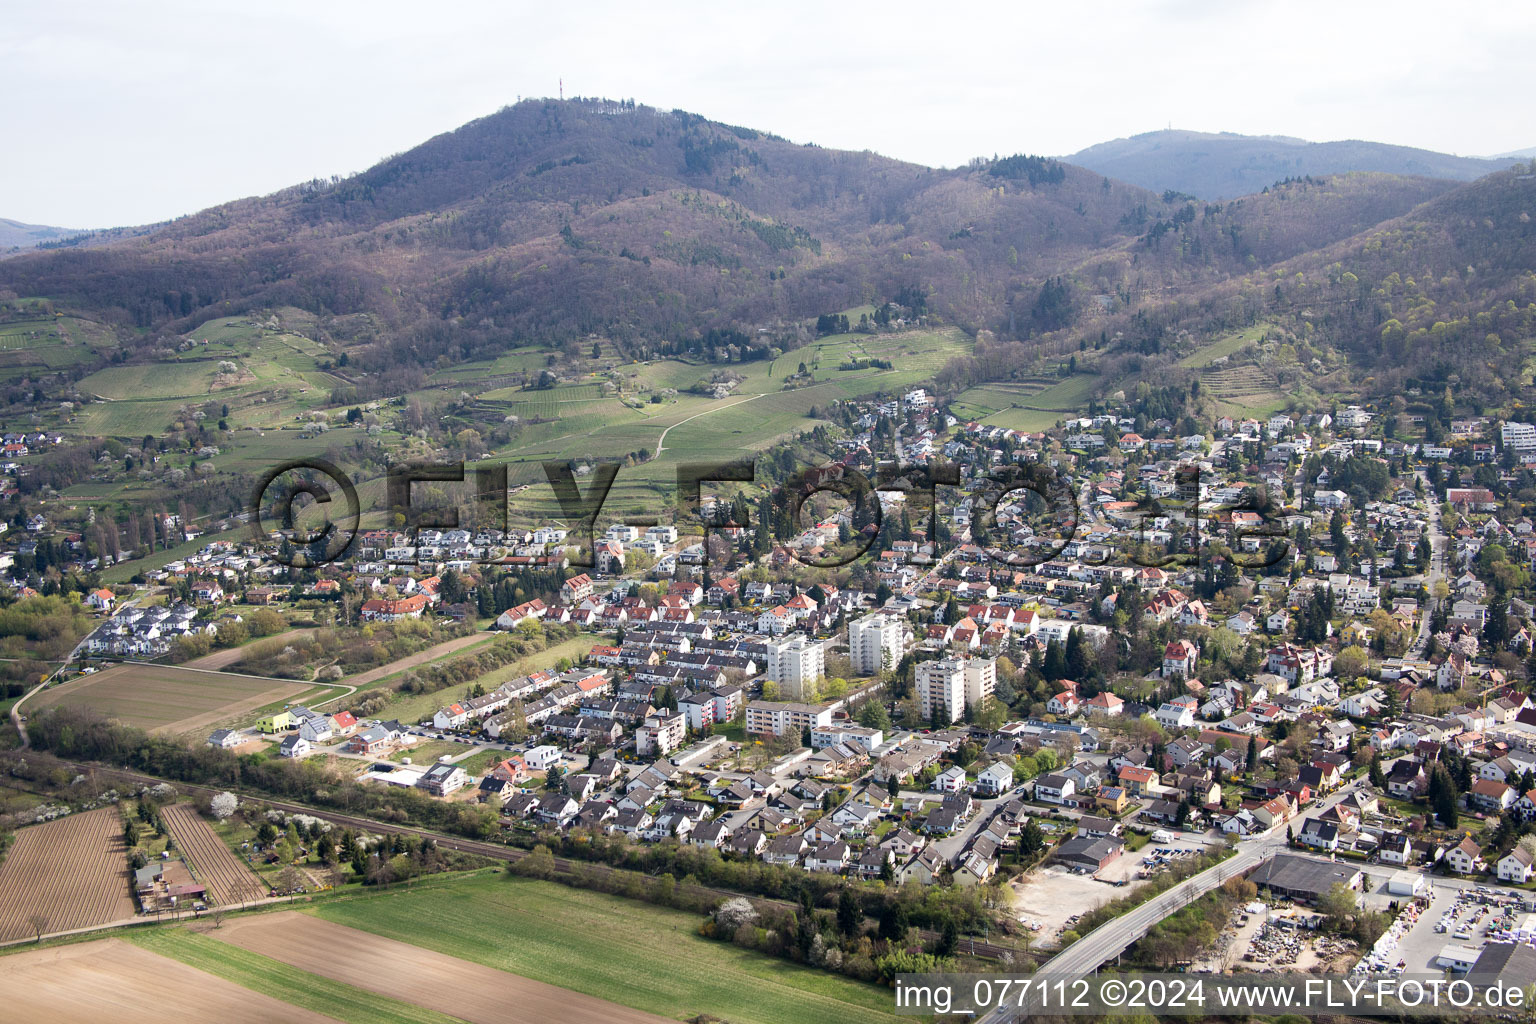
[
  {"x": 65, "y": 874},
  {"x": 228, "y": 878}
]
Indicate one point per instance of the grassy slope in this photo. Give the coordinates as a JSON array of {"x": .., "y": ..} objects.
[
  {"x": 274, "y": 978},
  {"x": 278, "y": 378},
  {"x": 1230, "y": 345},
  {"x": 640, "y": 955},
  {"x": 411, "y": 707},
  {"x": 1028, "y": 408}
]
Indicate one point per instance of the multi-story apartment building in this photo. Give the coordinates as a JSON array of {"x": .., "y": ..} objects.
[
  {"x": 874, "y": 643},
  {"x": 661, "y": 734},
  {"x": 945, "y": 688},
  {"x": 775, "y": 718},
  {"x": 796, "y": 664}
]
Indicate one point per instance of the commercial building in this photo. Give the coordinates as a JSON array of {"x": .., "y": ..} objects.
[{"x": 1301, "y": 878}]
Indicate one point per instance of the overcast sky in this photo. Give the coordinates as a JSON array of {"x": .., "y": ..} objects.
[{"x": 130, "y": 112}]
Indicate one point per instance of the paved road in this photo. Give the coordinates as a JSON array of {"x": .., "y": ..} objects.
[
  {"x": 1109, "y": 940},
  {"x": 1439, "y": 558},
  {"x": 950, "y": 846},
  {"x": 16, "y": 718}
]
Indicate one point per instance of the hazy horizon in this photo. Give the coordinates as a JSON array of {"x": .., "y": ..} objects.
[{"x": 134, "y": 119}]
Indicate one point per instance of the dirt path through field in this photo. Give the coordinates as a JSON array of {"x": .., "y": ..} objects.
[
  {"x": 479, "y": 994},
  {"x": 110, "y": 980},
  {"x": 373, "y": 675},
  {"x": 233, "y": 655}
]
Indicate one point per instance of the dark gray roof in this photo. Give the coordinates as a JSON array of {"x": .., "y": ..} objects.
[
  {"x": 1509, "y": 963},
  {"x": 1087, "y": 851},
  {"x": 1303, "y": 875}
]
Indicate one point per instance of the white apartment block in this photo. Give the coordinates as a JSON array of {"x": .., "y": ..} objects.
[
  {"x": 661, "y": 734},
  {"x": 853, "y": 735},
  {"x": 796, "y": 664},
  {"x": 874, "y": 643},
  {"x": 1519, "y": 436},
  {"x": 945, "y": 688},
  {"x": 775, "y": 718}
]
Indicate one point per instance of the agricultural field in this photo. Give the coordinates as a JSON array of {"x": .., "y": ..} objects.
[
  {"x": 1243, "y": 390},
  {"x": 567, "y": 937},
  {"x": 1223, "y": 348},
  {"x": 531, "y": 358},
  {"x": 190, "y": 381},
  {"x": 577, "y": 423},
  {"x": 400, "y": 971},
  {"x": 228, "y": 879},
  {"x": 169, "y": 699},
  {"x": 113, "y": 980},
  {"x": 65, "y": 874},
  {"x": 275, "y": 377},
  {"x": 1032, "y": 404},
  {"x": 299, "y": 988},
  {"x": 44, "y": 343}
]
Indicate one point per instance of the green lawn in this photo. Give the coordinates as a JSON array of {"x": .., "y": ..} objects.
[
  {"x": 426, "y": 752},
  {"x": 276, "y": 376},
  {"x": 1031, "y": 405},
  {"x": 478, "y": 764},
  {"x": 50, "y": 343},
  {"x": 1227, "y": 346},
  {"x": 1070, "y": 396},
  {"x": 411, "y": 708},
  {"x": 280, "y": 981},
  {"x": 576, "y": 422},
  {"x": 644, "y": 956}
]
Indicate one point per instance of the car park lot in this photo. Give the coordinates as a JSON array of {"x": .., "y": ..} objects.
[{"x": 1155, "y": 855}]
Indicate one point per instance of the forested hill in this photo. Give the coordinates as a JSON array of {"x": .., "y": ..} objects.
[
  {"x": 665, "y": 232},
  {"x": 1225, "y": 165},
  {"x": 13, "y": 233}
]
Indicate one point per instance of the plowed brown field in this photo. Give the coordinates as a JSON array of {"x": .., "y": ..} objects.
[
  {"x": 72, "y": 871},
  {"x": 228, "y": 878},
  {"x": 479, "y": 994},
  {"x": 110, "y": 980}
]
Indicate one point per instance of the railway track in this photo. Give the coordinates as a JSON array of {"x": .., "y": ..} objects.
[{"x": 503, "y": 852}]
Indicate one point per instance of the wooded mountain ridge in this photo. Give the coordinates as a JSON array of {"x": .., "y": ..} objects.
[
  {"x": 1225, "y": 165},
  {"x": 556, "y": 221}
]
